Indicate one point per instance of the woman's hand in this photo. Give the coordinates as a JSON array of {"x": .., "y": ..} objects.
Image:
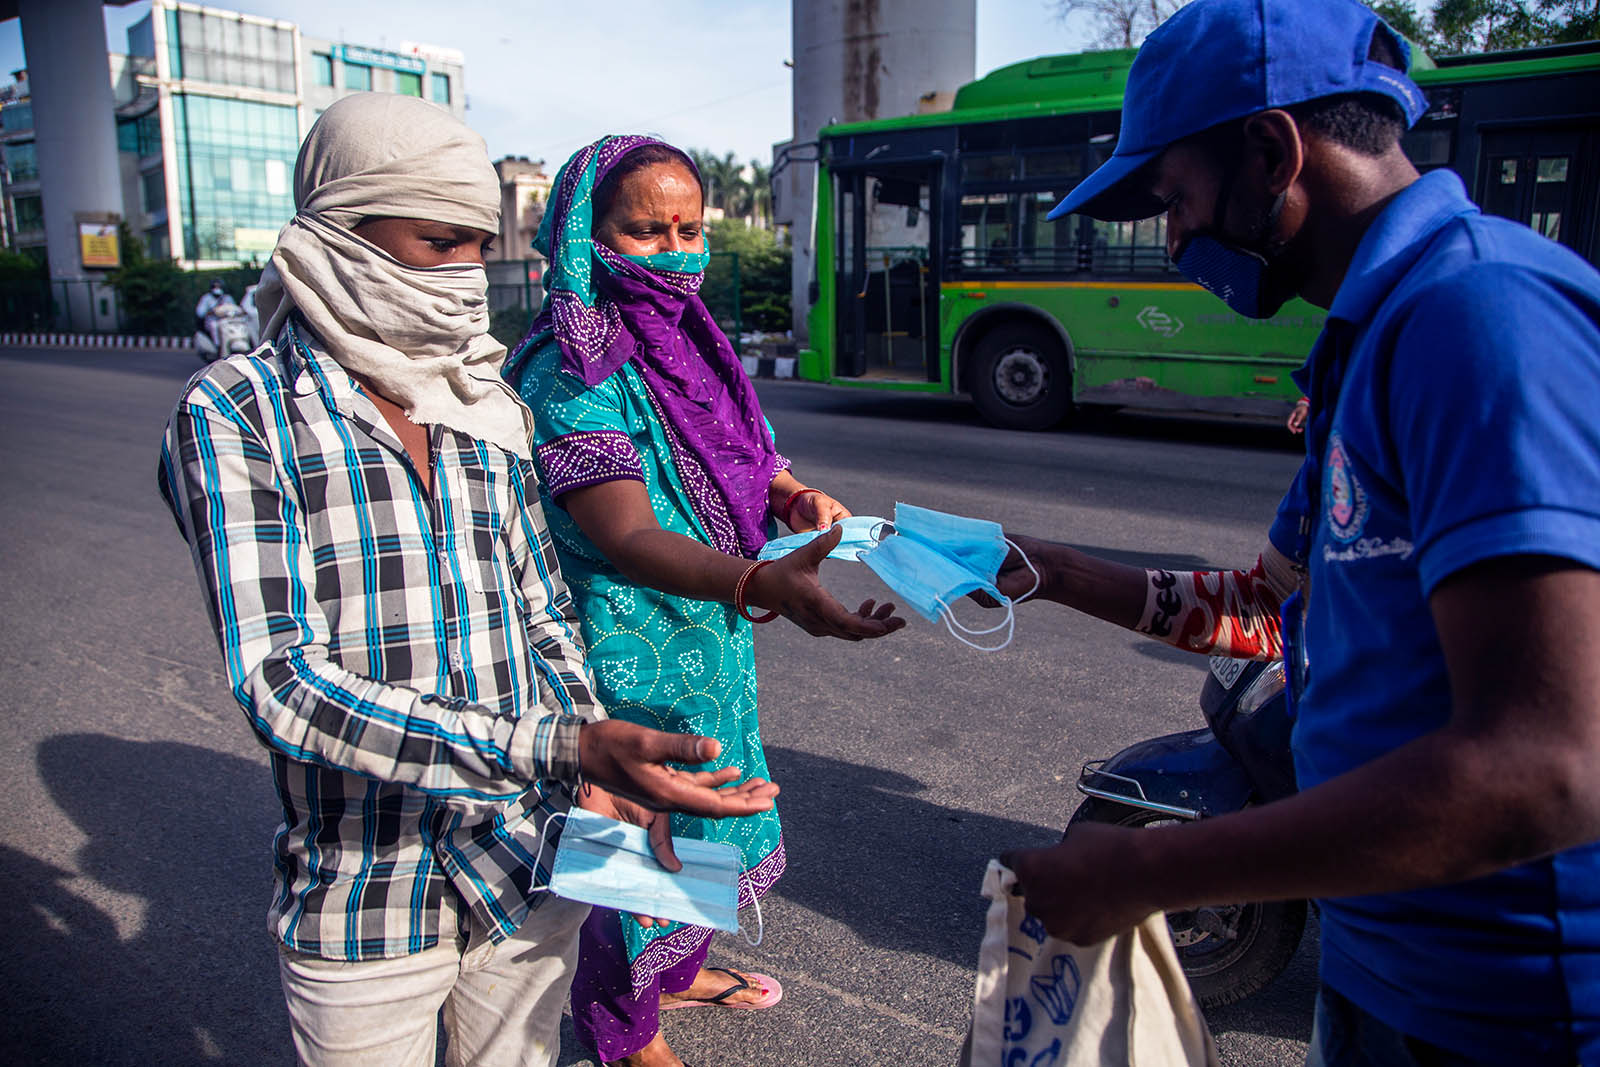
[
  {"x": 815, "y": 510},
  {"x": 792, "y": 587}
]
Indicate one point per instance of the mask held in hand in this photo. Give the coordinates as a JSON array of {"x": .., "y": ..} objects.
[
  {"x": 861, "y": 535},
  {"x": 935, "y": 558},
  {"x": 609, "y": 863}
]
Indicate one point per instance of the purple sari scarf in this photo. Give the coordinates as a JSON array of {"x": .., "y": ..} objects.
[{"x": 605, "y": 310}]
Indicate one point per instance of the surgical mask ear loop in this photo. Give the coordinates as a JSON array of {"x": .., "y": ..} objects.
[
  {"x": 562, "y": 815},
  {"x": 1009, "y": 625},
  {"x": 1037, "y": 581},
  {"x": 761, "y": 926}
]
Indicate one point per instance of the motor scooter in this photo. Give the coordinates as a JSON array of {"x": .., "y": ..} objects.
[
  {"x": 230, "y": 325},
  {"x": 1240, "y": 758}
]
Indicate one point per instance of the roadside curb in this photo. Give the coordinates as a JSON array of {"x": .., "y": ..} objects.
[
  {"x": 769, "y": 366},
  {"x": 94, "y": 340}
]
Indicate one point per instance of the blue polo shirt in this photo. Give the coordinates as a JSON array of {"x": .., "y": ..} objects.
[{"x": 1456, "y": 401}]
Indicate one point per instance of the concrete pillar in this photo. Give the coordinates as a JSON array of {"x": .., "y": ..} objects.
[
  {"x": 866, "y": 59},
  {"x": 75, "y": 134}
]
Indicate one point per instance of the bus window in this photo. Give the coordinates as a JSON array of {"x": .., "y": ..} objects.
[
  {"x": 1131, "y": 247},
  {"x": 1549, "y": 195},
  {"x": 1532, "y": 176},
  {"x": 1009, "y": 233},
  {"x": 988, "y": 224}
]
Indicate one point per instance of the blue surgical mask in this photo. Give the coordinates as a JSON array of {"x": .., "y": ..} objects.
[
  {"x": 861, "y": 535},
  {"x": 609, "y": 863},
  {"x": 935, "y": 558}
]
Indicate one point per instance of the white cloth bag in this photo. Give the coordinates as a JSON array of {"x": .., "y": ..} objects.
[{"x": 1041, "y": 1002}]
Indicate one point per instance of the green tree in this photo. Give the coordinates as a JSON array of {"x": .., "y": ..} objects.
[
  {"x": 760, "y": 193},
  {"x": 156, "y": 296},
  {"x": 1403, "y": 17},
  {"x": 24, "y": 292},
  {"x": 1458, "y": 27},
  {"x": 1118, "y": 23},
  {"x": 764, "y": 268},
  {"x": 150, "y": 292}
]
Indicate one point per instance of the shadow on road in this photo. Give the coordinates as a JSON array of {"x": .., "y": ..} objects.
[
  {"x": 870, "y": 854},
  {"x": 177, "y": 836},
  {"x": 866, "y": 851},
  {"x": 1130, "y": 424}
]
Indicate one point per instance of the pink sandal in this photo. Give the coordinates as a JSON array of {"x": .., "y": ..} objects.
[{"x": 772, "y": 992}]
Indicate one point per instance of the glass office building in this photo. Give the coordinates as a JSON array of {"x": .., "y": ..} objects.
[
  {"x": 211, "y": 107},
  {"x": 238, "y": 92},
  {"x": 235, "y": 165}
]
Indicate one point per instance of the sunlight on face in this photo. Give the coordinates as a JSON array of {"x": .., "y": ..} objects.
[
  {"x": 421, "y": 243},
  {"x": 657, "y": 209}
]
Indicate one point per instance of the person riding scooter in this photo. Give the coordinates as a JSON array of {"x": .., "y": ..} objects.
[{"x": 205, "y": 309}]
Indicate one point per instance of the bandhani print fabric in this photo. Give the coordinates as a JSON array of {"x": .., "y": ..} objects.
[{"x": 630, "y": 379}]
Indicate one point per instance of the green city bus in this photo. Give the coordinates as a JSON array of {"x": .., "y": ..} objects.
[{"x": 938, "y": 271}]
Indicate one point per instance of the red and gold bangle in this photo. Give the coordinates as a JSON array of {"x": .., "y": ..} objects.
[
  {"x": 788, "y": 505},
  {"x": 738, "y": 593}
]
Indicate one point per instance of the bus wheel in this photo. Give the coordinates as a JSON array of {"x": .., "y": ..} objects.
[{"x": 1020, "y": 379}]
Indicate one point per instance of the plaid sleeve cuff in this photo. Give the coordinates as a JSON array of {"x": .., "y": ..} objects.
[
  {"x": 546, "y": 748},
  {"x": 590, "y": 457}
]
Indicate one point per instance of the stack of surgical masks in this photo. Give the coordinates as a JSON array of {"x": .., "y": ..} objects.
[{"x": 930, "y": 558}]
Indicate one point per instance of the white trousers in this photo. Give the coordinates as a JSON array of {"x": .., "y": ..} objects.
[{"x": 502, "y": 1003}]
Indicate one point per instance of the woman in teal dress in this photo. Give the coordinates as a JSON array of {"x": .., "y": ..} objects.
[{"x": 662, "y": 482}]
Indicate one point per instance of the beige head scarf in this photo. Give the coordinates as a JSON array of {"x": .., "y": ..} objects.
[{"x": 418, "y": 335}]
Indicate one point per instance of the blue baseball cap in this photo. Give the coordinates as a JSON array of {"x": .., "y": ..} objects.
[{"x": 1216, "y": 60}]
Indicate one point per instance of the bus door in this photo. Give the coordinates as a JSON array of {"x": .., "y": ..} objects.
[
  {"x": 1539, "y": 177},
  {"x": 887, "y": 283}
]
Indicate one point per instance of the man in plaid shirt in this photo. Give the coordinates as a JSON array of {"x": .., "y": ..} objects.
[{"x": 364, "y": 517}]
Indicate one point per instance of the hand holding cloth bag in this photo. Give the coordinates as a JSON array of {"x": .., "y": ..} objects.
[{"x": 1041, "y": 1002}]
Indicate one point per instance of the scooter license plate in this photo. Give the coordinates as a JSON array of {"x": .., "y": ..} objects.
[{"x": 1226, "y": 669}]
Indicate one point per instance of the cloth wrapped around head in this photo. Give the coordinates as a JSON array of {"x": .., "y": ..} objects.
[
  {"x": 606, "y": 309},
  {"x": 419, "y": 335}
]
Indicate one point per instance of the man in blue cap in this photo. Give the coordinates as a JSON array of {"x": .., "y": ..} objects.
[{"x": 1446, "y": 645}]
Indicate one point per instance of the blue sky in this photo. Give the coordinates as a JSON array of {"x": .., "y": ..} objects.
[{"x": 544, "y": 78}]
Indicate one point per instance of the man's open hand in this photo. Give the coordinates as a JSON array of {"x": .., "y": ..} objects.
[{"x": 631, "y": 761}]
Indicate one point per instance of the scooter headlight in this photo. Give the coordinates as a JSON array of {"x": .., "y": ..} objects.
[{"x": 1267, "y": 685}]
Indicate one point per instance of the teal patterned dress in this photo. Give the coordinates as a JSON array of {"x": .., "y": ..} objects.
[{"x": 668, "y": 662}]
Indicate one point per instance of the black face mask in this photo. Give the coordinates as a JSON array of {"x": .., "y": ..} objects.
[{"x": 1238, "y": 273}]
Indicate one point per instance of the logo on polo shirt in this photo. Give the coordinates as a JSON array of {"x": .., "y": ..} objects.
[{"x": 1346, "y": 498}]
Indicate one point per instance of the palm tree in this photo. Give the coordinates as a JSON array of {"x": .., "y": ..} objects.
[{"x": 761, "y": 193}]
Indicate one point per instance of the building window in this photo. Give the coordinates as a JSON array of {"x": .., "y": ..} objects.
[
  {"x": 154, "y": 184},
  {"x": 322, "y": 68},
  {"x": 233, "y": 160},
  {"x": 358, "y": 77},
  {"x": 17, "y": 117},
  {"x": 141, "y": 136},
  {"x": 407, "y": 84},
  {"x": 440, "y": 84},
  {"x": 21, "y": 162},
  {"x": 29, "y": 213},
  {"x": 157, "y": 243},
  {"x": 227, "y": 49}
]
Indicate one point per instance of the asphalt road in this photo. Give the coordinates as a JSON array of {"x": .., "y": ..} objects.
[{"x": 137, "y": 814}]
